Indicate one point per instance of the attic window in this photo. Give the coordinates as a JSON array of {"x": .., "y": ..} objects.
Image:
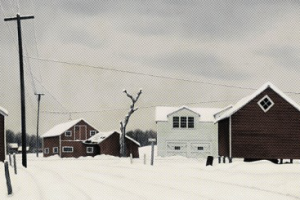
[{"x": 265, "y": 103}]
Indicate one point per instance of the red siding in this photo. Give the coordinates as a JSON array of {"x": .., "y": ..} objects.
[
  {"x": 50, "y": 143},
  {"x": 2, "y": 139},
  {"x": 79, "y": 149},
  {"x": 111, "y": 146},
  {"x": 274, "y": 134}
]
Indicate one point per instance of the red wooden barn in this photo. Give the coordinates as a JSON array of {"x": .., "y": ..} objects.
[
  {"x": 264, "y": 125},
  {"x": 77, "y": 138},
  {"x": 108, "y": 143},
  {"x": 66, "y": 139},
  {"x": 3, "y": 114}
]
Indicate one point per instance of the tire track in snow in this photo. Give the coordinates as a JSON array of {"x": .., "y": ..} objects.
[
  {"x": 143, "y": 182},
  {"x": 39, "y": 189},
  {"x": 225, "y": 183},
  {"x": 60, "y": 177}
]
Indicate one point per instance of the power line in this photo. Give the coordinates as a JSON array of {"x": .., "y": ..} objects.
[
  {"x": 149, "y": 75},
  {"x": 121, "y": 109},
  {"x": 140, "y": 73}
]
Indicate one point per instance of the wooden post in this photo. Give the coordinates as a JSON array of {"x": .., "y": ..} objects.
[
  {"x": 9, "y": 156},
  {"x": 15, "y": 163},
  {"x": 131, "y": 161},
  {"x": 152, "y": 140},
  {"x": 230, "y": 160},
  {"x": 18, "y": 18},
  {"x": 219, "y": 159},
  {"x": 224, "y": 159},
  {"x": 8, "y": 182},
  {"x": 145, "y": 162}
]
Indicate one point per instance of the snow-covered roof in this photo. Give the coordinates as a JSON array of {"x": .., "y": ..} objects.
[
  {"x": 228, "y": 112},
  {"x": 60, "y": 128},
  {"x": 13, "y": 145},
  {"x": 101, "y": 136},
  {"x": 206, "y": 114},
  {"x": 3, "y": 111}
]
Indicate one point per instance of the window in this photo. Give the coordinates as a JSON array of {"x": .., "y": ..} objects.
[
  {"x": 90, "y": 149},
  {"x": 68, "y": 133},
  {"x": 46, "y": 150},
  {"x": 175, "y": 122},
  {"x": 265, "y": 103},
  {"x": 67, "y": 149},
  {"x": 200, "y": 148},
  {"x": 92, "y": 132},
  {"x": 177, "y": 147},
  {"x": 55, "y": 149},
  {"x": 182, "y": 122},
  {"x": 190, "y": 122}
]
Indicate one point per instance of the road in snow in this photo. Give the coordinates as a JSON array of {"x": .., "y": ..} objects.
[{"x": 106, "y": 177}]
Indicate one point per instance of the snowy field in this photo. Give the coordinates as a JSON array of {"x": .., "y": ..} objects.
[{"x": 110, "y": 178}]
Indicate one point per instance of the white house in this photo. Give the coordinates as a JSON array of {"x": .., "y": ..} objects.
[{"x": 185, "y": 131}]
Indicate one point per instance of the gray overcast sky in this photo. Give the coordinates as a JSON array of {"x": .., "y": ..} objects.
[{"x": 241, "y": 43}]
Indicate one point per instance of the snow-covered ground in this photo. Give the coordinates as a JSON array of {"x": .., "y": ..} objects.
[{"x": 106, "y": 177}]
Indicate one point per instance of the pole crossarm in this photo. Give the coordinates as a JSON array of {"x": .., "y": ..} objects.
[{"x": 18, "y": 17}]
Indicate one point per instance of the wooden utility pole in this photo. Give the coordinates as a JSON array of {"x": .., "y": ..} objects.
[
  {"x": 18, "y": 18},
  {"x": 37, "y": 125}
]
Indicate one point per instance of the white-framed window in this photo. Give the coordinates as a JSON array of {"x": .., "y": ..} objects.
[
  {"x": 265, "y": 103},
  {"x": 200, "y": 148},
  {"x": 176, "y": 122},
  {"x": 183, "y": 122},
  {"x": 67, "y": 149},
  {"x": 90, "y": 150},
  {"x": 92, "y": 132},
  {"x": 68, "y": 133},
  {"x": 46, "y": 150},
  {"x": 55, "y": 149},
  {"x": 177, "y": 148}
]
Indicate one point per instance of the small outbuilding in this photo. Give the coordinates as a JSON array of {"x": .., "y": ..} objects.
[
  {"x": 263, "y": 125},
  {"x": 108, "y": 143},
  {"x": 3, "y": 114}
]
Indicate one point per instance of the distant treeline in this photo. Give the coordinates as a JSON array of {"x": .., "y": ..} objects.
[
  {"x": 142, "y": 136},
  {"x": 12, "y": 137}
]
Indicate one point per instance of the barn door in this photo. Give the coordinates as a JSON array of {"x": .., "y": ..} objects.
[{"x": 80, "y": 132}]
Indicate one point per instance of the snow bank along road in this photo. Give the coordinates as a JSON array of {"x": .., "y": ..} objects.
[{"x": 106, "y": 177}]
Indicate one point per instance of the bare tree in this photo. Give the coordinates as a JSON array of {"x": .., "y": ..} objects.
[{"x": 126, "y": 120}]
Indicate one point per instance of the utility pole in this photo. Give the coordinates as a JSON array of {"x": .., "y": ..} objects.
[
  {"x": 18, "y": 18},
  {"x": 38, "y": 122}
]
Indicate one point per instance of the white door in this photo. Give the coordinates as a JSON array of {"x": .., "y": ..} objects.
[
  {"x": 176, "y": 149},
  {"x": 200, "y": 150}
]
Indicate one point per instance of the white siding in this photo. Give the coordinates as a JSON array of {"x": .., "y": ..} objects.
[{"x": 203, "y": 135}]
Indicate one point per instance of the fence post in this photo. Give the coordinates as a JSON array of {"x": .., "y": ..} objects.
[
  {"x": 15, "y": 163},
  {"x": 8, "y": 182},
  {"x": 9, "y": 156},
  {"x": 131, "y": 161},
  {"x": 145, "y": 159},
  {"x": 152, "y": 140}
]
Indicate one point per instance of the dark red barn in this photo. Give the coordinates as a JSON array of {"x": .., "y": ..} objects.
[
  {"x": 3, "y": 114},
  {"x": 108, "y": 143},
  {"x": 264, "y": 125},
  {"x": 66, "y": 139}
]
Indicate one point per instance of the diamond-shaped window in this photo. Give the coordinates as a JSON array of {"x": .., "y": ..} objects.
[{"x": 265, "y": 103}]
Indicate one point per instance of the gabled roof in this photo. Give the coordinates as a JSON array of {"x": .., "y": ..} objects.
[
  {"x": 3, "y": 111},
  {"x": 61, "y": 128},
  {"x": 206, "y": 114},
  {"x": 228, "y": 112},
  {"x": 101, "y": 136}
]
